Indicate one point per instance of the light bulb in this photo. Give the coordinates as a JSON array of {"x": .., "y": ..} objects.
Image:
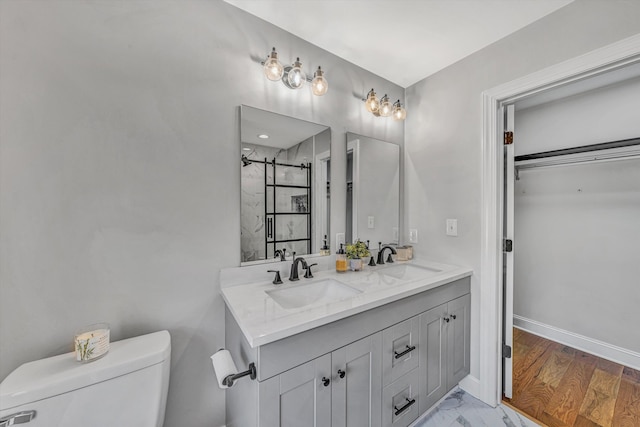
[
  {"x": 273, "y": 69},
  {"x": 296, "y": 77},
  {"x": 372, "y": 102},
  {"x": 319, "y": 85},
  {"x": 399, "y": 113},
  {"x": 386, "y": 108}
]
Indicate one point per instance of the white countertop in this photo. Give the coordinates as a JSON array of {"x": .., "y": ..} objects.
[{"x": 262, "y": 320}]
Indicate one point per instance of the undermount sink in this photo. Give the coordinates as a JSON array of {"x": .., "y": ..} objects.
[
  {"x": 315, "y": 293},
  {"x": 408, "y": 272}
]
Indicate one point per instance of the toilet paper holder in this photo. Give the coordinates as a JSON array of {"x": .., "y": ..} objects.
[{"x": 229, "y": 379}]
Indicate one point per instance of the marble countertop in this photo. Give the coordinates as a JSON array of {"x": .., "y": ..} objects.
[{"x": 263, "y": 320}]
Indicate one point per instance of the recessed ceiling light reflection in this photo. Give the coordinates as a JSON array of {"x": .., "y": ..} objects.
[{"x": 263, "y": 136}]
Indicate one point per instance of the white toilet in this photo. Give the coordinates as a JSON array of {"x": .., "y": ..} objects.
[{"x": 125, "y": 388}]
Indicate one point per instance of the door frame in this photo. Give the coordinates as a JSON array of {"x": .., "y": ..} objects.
[{"x": 616, "y": 55}]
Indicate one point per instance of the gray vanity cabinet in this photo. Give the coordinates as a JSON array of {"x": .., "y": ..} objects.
[
  {"x": 341, "y": 389},
  {"x": 382, "y": 367},
  {"x": 444, "y": 350},
  {"x": 458, "y": 340},
  {"x": 356, "y": 384},
  {"x": 298, "y": 397}
]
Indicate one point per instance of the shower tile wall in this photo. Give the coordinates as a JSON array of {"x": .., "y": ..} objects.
[{"x": 253, "y": 198}]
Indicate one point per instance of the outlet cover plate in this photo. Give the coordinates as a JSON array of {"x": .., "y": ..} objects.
[{"x": 413, "y": 235}]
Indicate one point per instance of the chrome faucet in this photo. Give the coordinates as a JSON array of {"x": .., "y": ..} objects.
[
  {"x": 294, "y": 267},
  {"x": 381, "y": 253}
]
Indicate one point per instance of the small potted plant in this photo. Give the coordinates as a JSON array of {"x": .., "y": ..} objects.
[{"x": 355, "y": 252}]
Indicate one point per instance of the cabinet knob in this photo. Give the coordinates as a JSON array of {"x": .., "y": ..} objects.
[
  {"x": 446, "y": 319},
  {"x": 453, "y": 316},
  {"x": 341, "y": 373},
  {"x": 326, "y": 381}
]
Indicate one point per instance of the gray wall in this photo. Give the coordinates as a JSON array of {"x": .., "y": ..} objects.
[
  {"x": 119, "y": 171},
  {"x": 444, "y": 125},
  {"x": 577, "y": 227}
]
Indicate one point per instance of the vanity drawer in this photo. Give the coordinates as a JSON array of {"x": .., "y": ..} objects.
[
  {"x": 401, "y": 401},
  {"x": 400, "y": 349}
]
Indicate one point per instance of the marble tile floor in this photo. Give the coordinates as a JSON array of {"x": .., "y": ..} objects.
[{"x": 462, "y": 409}]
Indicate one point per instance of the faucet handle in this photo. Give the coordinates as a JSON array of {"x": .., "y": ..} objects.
[
  {"x": 276, "y": 280},
  {"x": 308, "y": 274},
  {"x": 390, "y": 259}
]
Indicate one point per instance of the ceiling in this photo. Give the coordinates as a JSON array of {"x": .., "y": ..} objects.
[
  {"x": 403, "y": 41},
  {"x": 283, "y": 131}
]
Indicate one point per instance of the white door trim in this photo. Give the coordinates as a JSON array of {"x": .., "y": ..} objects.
[
  {"x": 610, "y": 57},
  {"x": 354, "y": 148},
  {"x": 320, "y": 191}
]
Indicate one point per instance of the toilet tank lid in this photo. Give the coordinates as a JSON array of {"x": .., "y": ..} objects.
[{"x": 56, "y": 375}]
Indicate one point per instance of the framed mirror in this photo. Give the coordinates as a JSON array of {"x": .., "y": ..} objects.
[
  {"x": 284, "y": 174},
  {"x": 373, "y": 190}
]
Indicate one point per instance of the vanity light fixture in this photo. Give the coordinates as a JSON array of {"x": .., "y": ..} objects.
[
  {"x": 294, "y": 76},
  {"x": 383, "y": 107},
  {"x": 319, "y": 85},
  {"x": 386, "y": 108},
  {"x": 372, "y": 103},
  {"x": 273, "y": 69},
  {"x": 399, "y": 113}
]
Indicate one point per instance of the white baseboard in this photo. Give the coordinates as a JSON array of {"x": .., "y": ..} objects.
[
  {"x": 471, "y": 385},
  {"x": 589, "y": 345}
]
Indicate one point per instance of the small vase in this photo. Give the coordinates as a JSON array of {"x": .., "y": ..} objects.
[{"x": 355, "y": 264}]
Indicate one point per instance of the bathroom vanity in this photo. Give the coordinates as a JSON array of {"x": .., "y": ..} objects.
[{"x": 371, "y": 348}]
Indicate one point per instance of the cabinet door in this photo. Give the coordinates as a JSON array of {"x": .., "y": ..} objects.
[
  {"x": 357, "y": 383},
  {"x": 458, "y": 340},
  {"x": 298, "y": 397},
  {"x": 400, "y": 347},
  {"x": 433, "y": 345}
]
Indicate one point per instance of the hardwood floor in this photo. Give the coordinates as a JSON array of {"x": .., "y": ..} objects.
[{"x": 564, "y": 387}]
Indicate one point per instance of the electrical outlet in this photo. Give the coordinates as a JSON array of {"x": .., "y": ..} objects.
[
  {"x": 452, "y": 227},
  {"x": 413, "y": 235},
  {"x": 395, "y": 234},
  {"x": 339, "y": 240},
  {"x": 370, "y": 222}
]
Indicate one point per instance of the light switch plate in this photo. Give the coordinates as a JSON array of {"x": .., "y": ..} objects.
[
  {"x": 413, "y": 235},
  {"x": 370, "y": 222},
  {"x": 452, "y": 227}
]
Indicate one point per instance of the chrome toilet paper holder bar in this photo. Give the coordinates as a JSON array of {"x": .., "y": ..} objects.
[{"x": 251, "y": 372}]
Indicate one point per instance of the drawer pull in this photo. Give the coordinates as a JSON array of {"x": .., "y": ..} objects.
[
  {"x": 405, "y": 407},
  {"x": 341, "y": 373},
  {"x": 407, "y": 351},
  {"x": 453, "y": 316},
  {"x": 326, "y": 381}
]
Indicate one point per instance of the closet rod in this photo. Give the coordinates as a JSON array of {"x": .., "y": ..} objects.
[{"x": 579, "y": 150}]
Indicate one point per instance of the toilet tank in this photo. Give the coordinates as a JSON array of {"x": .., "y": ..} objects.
[{"x": 126, "y": 388}]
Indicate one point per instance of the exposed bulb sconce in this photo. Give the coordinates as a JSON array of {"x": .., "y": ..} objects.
[
  {"x": 383, "y": 107},
  {"x": 319, "y": 85},
  {"x": 399, "y": 113},
  {"x": 372, "y": 103},
  {"x": 294, "y": 76},
  {"x": 273, "y": 69},
  {"x": 386, "y": 108}
]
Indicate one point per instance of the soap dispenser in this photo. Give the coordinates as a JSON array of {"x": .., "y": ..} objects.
[
  {"x": 325, "y": 249},
  {"x": 341, "y": 260}
]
